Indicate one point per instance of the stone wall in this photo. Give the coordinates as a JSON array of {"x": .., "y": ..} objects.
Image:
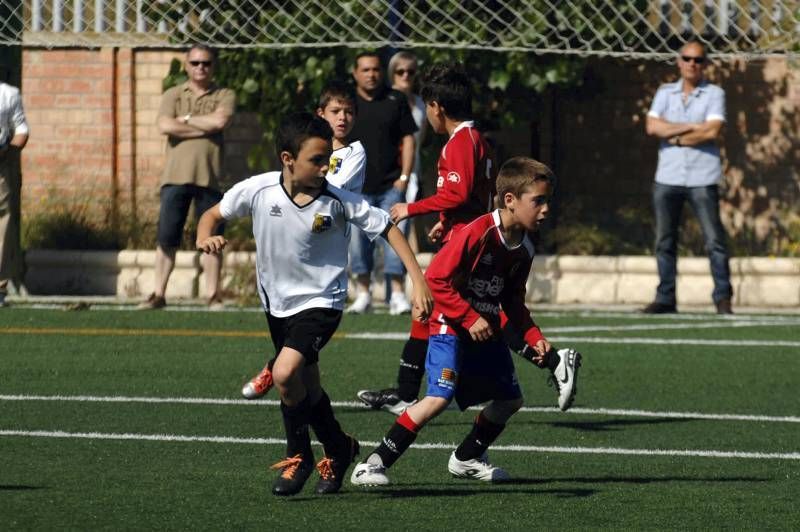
[{"x": 627, "y": 280}]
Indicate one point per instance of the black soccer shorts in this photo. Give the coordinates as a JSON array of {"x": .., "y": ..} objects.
[{"x": 307, "y": 331}]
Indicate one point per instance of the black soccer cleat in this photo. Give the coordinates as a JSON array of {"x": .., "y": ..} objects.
[
  {"x": 294, "y": 473},
  {"x": 332, "y": 470},
  {"x": 387, "y": 399}
]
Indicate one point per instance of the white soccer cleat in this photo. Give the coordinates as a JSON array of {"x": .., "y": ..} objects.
[
  {"x": 361, "y": 305},
  {"x": 398, "y": 304},
  {"x": 366, "y": 474},
  {"x": 565, "y": 377},
  {"x": 476, "y": 469}
]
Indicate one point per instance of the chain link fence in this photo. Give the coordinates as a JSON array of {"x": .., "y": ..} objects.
[{"x": 623, "y": 28}]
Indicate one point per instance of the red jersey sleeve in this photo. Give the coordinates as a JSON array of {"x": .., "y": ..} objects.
[
  {"x": 513, "y": 302},
  {"x": 454, "y": 188}
]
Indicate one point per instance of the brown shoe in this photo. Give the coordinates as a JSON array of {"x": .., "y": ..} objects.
[
  {"x": 659, "y": 308},
  {"x": 153, "y": 302},
  {"x": 724, "y": 306}
]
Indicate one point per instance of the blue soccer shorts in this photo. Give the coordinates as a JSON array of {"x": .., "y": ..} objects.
[{"x": 470, "y": 372}]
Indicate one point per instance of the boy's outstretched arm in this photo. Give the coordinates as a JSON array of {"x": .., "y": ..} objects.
[
  {"x": 421, "y": 297},
  {"x": 208, "y": 222}
]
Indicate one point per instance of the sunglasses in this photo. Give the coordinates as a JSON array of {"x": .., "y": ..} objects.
[
  {"x": 198, "y": 63},
  {"x": 404, "y": 71},
  {"x": 697, "y": 60}
]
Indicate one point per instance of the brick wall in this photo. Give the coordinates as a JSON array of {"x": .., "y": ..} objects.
[
  {"x": 68, "y": 99},
  {"x": 94, "y": 141}
]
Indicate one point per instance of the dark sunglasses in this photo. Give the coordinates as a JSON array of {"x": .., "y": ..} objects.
[
  {"x": 198, "y": 63},
  {"x": 402, "y": 71},
  {"x": 689, "y": 59}
]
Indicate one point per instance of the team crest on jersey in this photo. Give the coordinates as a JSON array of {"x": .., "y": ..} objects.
[
  {"x": 453, "y": 177},
  {"x": 335, "y": 165},
  {"x": 486, "y": 259},
  {"x": 275, "y": 210},
  {"x": 322, "y": 222}
]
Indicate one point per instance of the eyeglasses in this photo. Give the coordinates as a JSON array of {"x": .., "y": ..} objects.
[
  {"x": 206, "y": 64},
  {"x": 697, "y": 60},
  {"x": 404, "y": 71}
]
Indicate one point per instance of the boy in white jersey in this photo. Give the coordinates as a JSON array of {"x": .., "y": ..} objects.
[
  {"x": 300, "y": 224},
  {"x": 337, "y": 105},
  {"x": 348, "y": 162}
]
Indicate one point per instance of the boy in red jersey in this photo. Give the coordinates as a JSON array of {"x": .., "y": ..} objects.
[
  {"x": 482, "y": 268},
  {"x": 464, "y": 191}
]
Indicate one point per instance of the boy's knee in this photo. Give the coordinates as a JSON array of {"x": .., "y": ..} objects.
[{"x": 282, "y": 376}]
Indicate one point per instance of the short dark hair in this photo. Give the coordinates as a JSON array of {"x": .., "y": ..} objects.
[
  {"x": 368, "y": 53},
  {"x": 519, "y": 173},
  {"x": 449, "y": 86},
  {"x": 205, "y": 48},
  {"x": 337, "y": 90},
  {"x": 296, "y": 128}
]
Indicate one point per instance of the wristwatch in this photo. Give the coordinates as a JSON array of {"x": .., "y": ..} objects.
[
  {"x": 403, "y": 178},
  {"x": 186, "y": 118}
]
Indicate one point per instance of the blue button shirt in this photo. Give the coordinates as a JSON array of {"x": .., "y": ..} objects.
[{"x": 688, "y": 166}]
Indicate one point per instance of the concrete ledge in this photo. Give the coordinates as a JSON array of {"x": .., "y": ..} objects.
[{"x": 603, "y": 280}]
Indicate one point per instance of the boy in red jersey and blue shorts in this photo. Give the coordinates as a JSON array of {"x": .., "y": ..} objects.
[{"x": 481, "y": 269}]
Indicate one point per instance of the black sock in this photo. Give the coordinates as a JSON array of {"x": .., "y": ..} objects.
[
  {"x": 295, "y": 421},
  {"x": 327, "y": 429},
  {"x": 482, "y": 435},
  {"x": 412, "y": 369},
  {"x": 397, "y": 440},
  {"x": 551, "y": 359}
]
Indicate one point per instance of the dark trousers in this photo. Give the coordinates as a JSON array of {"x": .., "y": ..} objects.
[{"x": 668, "y": 201}]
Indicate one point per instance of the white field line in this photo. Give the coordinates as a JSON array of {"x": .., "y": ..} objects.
[
  {"x": 356, "y": 404},
  {"x": 675, "y": 326},
  {"x": 700, "y": 453},
  {"x": 603, "y": 340}
]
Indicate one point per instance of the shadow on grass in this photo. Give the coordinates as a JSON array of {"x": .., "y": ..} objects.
[
  {"x": 20, "y": 487},
  {"x": 417, "y": 491},
  {"x": 518, "y": 485},
  {"x": 635, "y": 480}
]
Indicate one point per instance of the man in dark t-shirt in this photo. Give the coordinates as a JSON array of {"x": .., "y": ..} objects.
[{"x": 385, "y": 127}]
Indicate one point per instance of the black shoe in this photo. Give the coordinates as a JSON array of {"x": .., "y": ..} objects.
[
  {"x": 295, "y": 472},
  {"x": 724, "y": 306},
  {"x": 332, "y": 470},
  {"x": 659, "y": 308},
  {"x": 376, "y": 399},
  {"x": 387, "y": 399}
]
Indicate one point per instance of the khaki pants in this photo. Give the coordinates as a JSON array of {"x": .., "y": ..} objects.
[{"x": 10, "y": 184}]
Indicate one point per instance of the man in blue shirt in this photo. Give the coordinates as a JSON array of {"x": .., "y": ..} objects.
[{"x": 687, "y": 116}]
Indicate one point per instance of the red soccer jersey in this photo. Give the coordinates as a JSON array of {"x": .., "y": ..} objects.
[
  {"x": 475, "y": 274},
  {"x": 465, "y": 184}
]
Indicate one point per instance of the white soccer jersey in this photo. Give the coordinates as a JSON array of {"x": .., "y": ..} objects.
[
  {"x": 301, "y": 252},
  {"x": 347, "y": 168}
]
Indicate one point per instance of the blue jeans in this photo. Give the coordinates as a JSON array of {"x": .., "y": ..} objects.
[
  {"x": 668, "y": 201},
  {"x": 362, "y": 251}
]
